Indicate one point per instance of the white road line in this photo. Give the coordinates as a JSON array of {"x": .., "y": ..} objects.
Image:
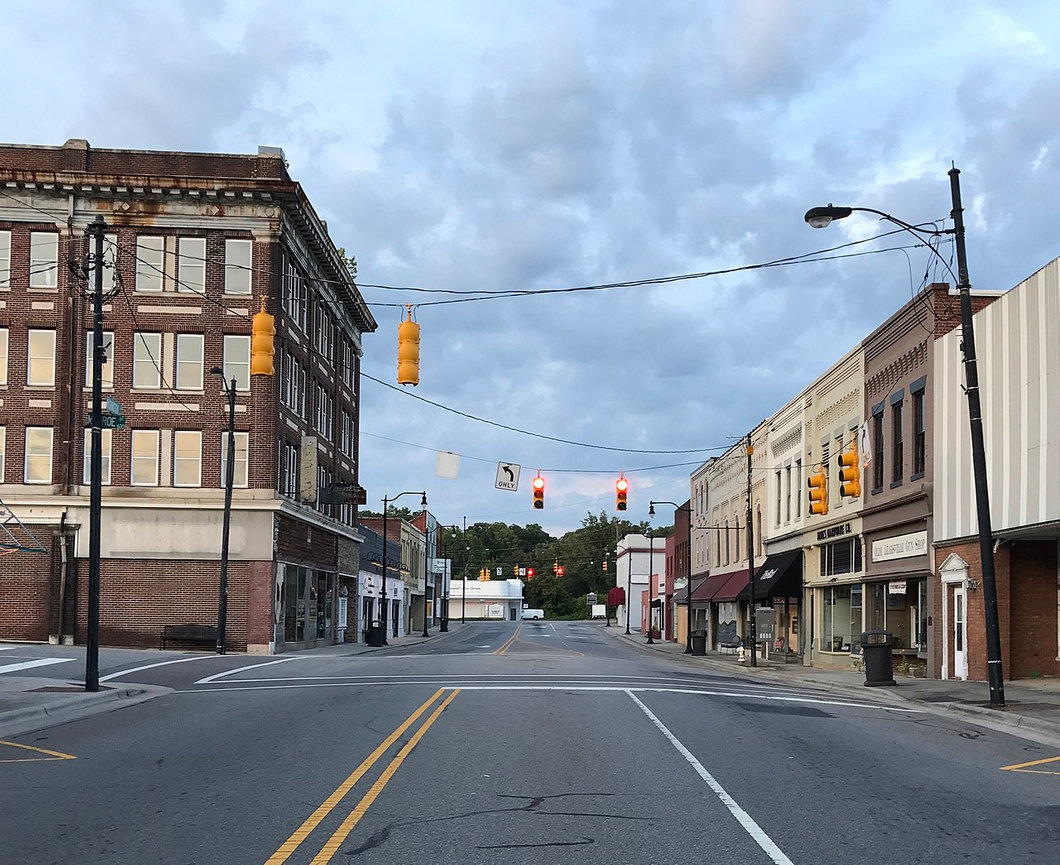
[
  {"x": 553, "y": 627},
  {"x": 752, "y": 828},
  {"x": 27, "y": 665},
  {"x": 121, "y": 673},
  {"x": 11, "y": 648},
  {"x": 217, "y": 676},
  {"x": 458, "y": 683}
]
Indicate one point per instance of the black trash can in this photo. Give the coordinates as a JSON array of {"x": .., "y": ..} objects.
[
  {"x": 375, "y": 634},
  {"x": 879, "y": 664},
  {"x": 699, "y": 642}
]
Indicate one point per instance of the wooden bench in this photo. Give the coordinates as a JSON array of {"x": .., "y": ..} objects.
[{"x": 195, "y": 634}]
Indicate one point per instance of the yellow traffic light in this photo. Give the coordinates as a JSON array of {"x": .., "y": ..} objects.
[
  {"x": 850, "y": 472},
  {"x": 818, "y": 484},
  {"x": 262, "y": 342},
  {"x": 621, "y": 489},
  {"x": 408, "y": 371}
]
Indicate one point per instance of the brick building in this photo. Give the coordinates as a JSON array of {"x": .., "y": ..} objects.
[{"x": 194, "y": 244}]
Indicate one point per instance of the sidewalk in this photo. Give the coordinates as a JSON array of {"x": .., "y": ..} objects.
[
  {"x": 1032, "y": 706},
  {"x": 30, "y": 703}
]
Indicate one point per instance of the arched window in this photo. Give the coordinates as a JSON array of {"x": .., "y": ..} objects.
[
  {"x": 727, "y": 548},
  {"x": 758, "y": 526},
  {"x": 736, "y": 524}
]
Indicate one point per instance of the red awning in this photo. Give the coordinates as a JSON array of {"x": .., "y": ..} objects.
[
  {"x": 705, "y": 590},
  {"x": 735, "y": 584}
]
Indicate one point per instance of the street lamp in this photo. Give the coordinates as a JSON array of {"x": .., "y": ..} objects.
[
  {"x": 382, "y": 590},
  {"x": 426, "y": 566},
  {"x": 819, "y": 217},
  {"x": 447, "y": 575},
  {"x": 651, "y": 585},
  {"x": 688, "y": 563},
  {"x": 226, "y": 525}
]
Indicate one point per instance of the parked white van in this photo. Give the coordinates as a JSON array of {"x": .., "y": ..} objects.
[{"x": 533, "y": 614}]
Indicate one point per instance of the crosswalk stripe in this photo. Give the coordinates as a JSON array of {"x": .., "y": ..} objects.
[{"x": 26, "y": 665}]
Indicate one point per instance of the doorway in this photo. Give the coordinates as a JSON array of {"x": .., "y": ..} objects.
[{"x": 960, "y": 632}]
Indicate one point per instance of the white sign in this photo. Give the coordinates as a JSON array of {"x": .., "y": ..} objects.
[
  {"x": 507, "y": 476},
  {"x": 900, "y": 547},
  {"x": 896, "y": 587},
  {"x": 494, "y": 611}
]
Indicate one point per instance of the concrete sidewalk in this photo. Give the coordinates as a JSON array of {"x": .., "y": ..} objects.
[
  {"x": 1032, "y": 706},
  {"x": 30, "y": 703}
]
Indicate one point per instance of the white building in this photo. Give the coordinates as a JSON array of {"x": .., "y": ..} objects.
[
  {"x": 636, "y": 562},
  {"x": 488, "y": 599}
]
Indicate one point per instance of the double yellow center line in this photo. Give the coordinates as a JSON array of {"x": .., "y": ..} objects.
[
  {"x": 503, "y": 650},
  {"x": 337, "y": 838}
]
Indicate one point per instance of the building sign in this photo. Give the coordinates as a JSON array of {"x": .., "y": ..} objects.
[
  {"x": 896, "y": 587},
  {"x": 900, "y": 547},
  {"x": 834, "y": 532}
]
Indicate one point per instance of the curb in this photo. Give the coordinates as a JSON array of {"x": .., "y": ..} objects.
[{"x": 63, "y": 710}]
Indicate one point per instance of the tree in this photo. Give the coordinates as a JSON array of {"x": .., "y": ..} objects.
[{"x": 349, "y": 261}]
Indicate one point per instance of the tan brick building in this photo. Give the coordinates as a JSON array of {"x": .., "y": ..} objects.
[{"x": 194, "y": 244}]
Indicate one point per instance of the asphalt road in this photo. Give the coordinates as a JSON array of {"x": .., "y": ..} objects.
[{"x": 511, "y": 743}]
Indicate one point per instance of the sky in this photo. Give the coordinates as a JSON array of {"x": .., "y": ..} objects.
[{"x": 478, "y": 147}]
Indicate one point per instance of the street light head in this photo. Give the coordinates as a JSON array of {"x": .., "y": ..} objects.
[
  {"x": 651, "y": 509},
  {"x": 822, "y": 217},
  {"x": 423, "y": 501}
]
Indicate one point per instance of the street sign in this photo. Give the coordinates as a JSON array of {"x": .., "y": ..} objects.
[
  {"x": 590, "y": 599},
  {"x": 507, "y": 476},
  {"x": 113, "y": 421},
  {"x": 113, "y": 406}
]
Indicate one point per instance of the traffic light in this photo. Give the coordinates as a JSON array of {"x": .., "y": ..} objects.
[
  {"x": 539, "y": 493},
  {"x": 530, "y": 573},
  {"x": 850, "y": 472},
  {"x": 818, "y": 492},
  {"x": 559, "y": 571},
  {"x": 605, "y": 566},
  {"x": 515, "y": 570},
  {"x": 408, "y": 350},
  {"x": 262, "y": 342},
  {"x": 484, "y": 575},
  {"x": 621, "y": 488}
]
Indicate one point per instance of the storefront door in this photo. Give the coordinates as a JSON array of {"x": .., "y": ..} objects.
[{"x": 960, "y": 633}]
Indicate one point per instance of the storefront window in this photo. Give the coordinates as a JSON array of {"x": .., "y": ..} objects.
[
  {"x": 841, "y": 618},
  {"x": 921, "y": 618}
]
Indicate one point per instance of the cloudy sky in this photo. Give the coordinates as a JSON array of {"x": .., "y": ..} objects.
[{"x": 524, "y": 146}]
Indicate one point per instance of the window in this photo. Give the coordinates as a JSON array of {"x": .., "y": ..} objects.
[
  {"x": 239, "y": 464},
  {"x": 841, "y": 618},
  {"x": 105, "y": 445},
  {"x": 897, "y": 465},
  {"x": 288, "y": 469},
  {"x": 293, "y": 385},
  {"x": 841, "y": 557},
  {"x": 798, "y": 487},
  {"x": 237, "y": 360},
  {"x": 238, "y": 264},
  {"x": 323, "y": 412},
  {"x": 3, "y": 355},
  {"x": 349, "y": 361},
  {"x": 877, "y": 450},
  {"x": 3, "y": 448},
  {"x": 779, "y": 494},
  {"x": 43, "y": 259},
  {"x": 191, "y": 265},
  {"x": 38, "y": 468},
  {"x": 147, "y": 360},
  {"x": 5, "y": 259},
  {"x": 107, "y": 378},
  {"x": 144, "y": 460},
  {"x": 787, "y": 496},
  {"x": 189, "y": 361},
  {"x": 149, "y": 263},
  {"x": 738, "y": 533},
  {"x": 187, "y": 458},
  {"x": 40, "y": 358},
  {"x": 346, "y": 434},
  {"x": 919, "y": 435},
  {"x": 324, "y": 336},
  {"x": 728, "y": 549},
  {"x": 295, "y": 294}
]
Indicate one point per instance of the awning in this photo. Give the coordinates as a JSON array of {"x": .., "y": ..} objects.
[
  {"x": 734, "y": 585},
  {"x": 779, "y": 577},
  {"x": 706, "y": 589},
  {"x": 681, "y": 595}
]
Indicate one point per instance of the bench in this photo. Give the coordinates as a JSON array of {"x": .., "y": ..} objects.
[
  {"x": 197, "y": 634},
  {"x": 729, "y": 647}
]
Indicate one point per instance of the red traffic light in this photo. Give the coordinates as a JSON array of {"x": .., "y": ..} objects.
[
  {"x": 559, "y": 571},
  {"x": 539, "y": 493},
  {"x": 530, "y": 573}
]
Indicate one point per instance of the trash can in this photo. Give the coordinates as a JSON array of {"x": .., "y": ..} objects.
[
  {"x": 879, "y": 665},
  {"x": 699, "y": 642},
  {"x": 375, "y": 634}
]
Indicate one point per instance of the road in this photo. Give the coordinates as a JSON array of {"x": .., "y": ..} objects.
[{"x": 527, "y": 743}]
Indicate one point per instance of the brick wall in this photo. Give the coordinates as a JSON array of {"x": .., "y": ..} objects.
[
  {"x": 1034, "y": 618},
  {"x": 26, "y": 591}
]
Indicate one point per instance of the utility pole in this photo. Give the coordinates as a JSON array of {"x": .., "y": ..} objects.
[
  {"x": 95, "y": 507},
  {"x": 751, "y": 556},
  {"x": 226, "y": 524}
]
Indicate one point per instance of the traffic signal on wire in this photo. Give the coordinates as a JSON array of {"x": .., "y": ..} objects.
[
  {"x": 408, "y": 370},
  {"x": 539, "y": 493},
  {"x": 262, "y": 342},
  {"x": 621, "y": 489},
  {"x": 850, "y": 472},
  {"x": 818, "y": 484},
  {"x": 530, "y": 573}
]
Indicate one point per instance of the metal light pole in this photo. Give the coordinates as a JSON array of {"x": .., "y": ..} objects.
[
  {"x": 651, "y": 585},
  {"x": 751, "y": 557},
  {"x": 95, "y": 505},
  {"x": 382, "y": 590},
  {"x": 463, "y": 593},
  {"x": 226, "y": 524},
  {"x": 819, "y": 217},
  {"x": 426, "y": 567},
  {"x": 688, "y": 563},
  {"x": 629, "y": 589}
]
